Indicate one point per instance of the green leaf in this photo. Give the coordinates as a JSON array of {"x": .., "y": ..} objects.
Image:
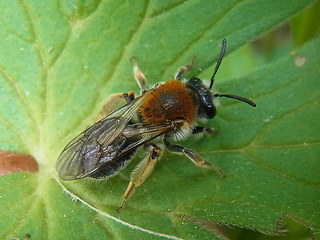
[
  {"x": 306, "y": 25},
  {"x": 59, "y": 62}
]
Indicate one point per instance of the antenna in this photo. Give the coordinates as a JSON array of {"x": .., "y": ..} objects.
[
  {"x": 223, "y": 50},
  {"x": 236, "y": 97}
]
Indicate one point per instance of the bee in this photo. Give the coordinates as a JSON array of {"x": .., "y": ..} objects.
[{"x": 160, "y": 115}]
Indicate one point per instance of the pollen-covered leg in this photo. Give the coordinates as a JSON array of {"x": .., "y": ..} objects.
[
  {"x": 139, "y": 76},
  {"x": 141, "y": 173},
  {"x": 184, "y": 68},
  {"x": 113, "y": 103},
  {"x": 194, "y": 157}
]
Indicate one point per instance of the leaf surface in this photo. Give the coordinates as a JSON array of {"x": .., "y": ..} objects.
[{"x": 59, "y": 62}]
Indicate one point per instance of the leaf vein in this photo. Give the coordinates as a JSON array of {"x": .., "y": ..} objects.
[
  {"x": 24, "y": 142},
  {"x": 303, "y": 145},
  {"x": 281, "y": 118},
  {"x": 98, "y": 97},
  {"x": 168, "y": 9},
  {"x": 27, "y": 211},
  {"x": 134, "y": 227},
  {"x": 276, "y": 171},
  {"x": 40, "y": 51},
  {"x": 194, "y": 42},
  {"x": 21, "y": 96}
]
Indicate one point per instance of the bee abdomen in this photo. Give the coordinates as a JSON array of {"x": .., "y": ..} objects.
[{"x": 114, "y": 166}]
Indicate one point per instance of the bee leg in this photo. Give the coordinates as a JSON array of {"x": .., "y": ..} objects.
[
  {"x": 184, "y": 68},
  {"x": 141, "y": 173},
  {"x": 209, "y": 131},
  {"x": 139, "y": 76},
  {"x": 129, "y": 97},
  {"x": 193, "y": 156},
  {"x": 114, "y": 102}
]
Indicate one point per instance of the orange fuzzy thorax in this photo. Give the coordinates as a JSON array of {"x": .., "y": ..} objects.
[{"x": 168, "y": 102}]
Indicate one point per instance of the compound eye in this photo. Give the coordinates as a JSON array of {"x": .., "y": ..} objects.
[{"x": 210, "y": 111}]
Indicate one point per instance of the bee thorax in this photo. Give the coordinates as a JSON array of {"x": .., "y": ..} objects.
[{"x": 169, "y": 102}]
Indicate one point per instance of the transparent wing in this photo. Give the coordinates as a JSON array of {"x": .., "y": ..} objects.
[
  {"x": 107, "y": 145},
  {"x": 118, "y": 154},
  {"x": 81, "y": 155}
]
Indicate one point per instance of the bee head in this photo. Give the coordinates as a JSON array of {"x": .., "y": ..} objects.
[
  {"x": 203, "y": 98},
  {"x": 203, "y": 94}
]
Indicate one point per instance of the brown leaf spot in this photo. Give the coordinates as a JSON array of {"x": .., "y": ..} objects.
[{"x": 16, "y": 162}]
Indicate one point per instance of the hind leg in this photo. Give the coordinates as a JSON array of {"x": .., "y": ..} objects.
[{"x": 141, "y": 173}]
